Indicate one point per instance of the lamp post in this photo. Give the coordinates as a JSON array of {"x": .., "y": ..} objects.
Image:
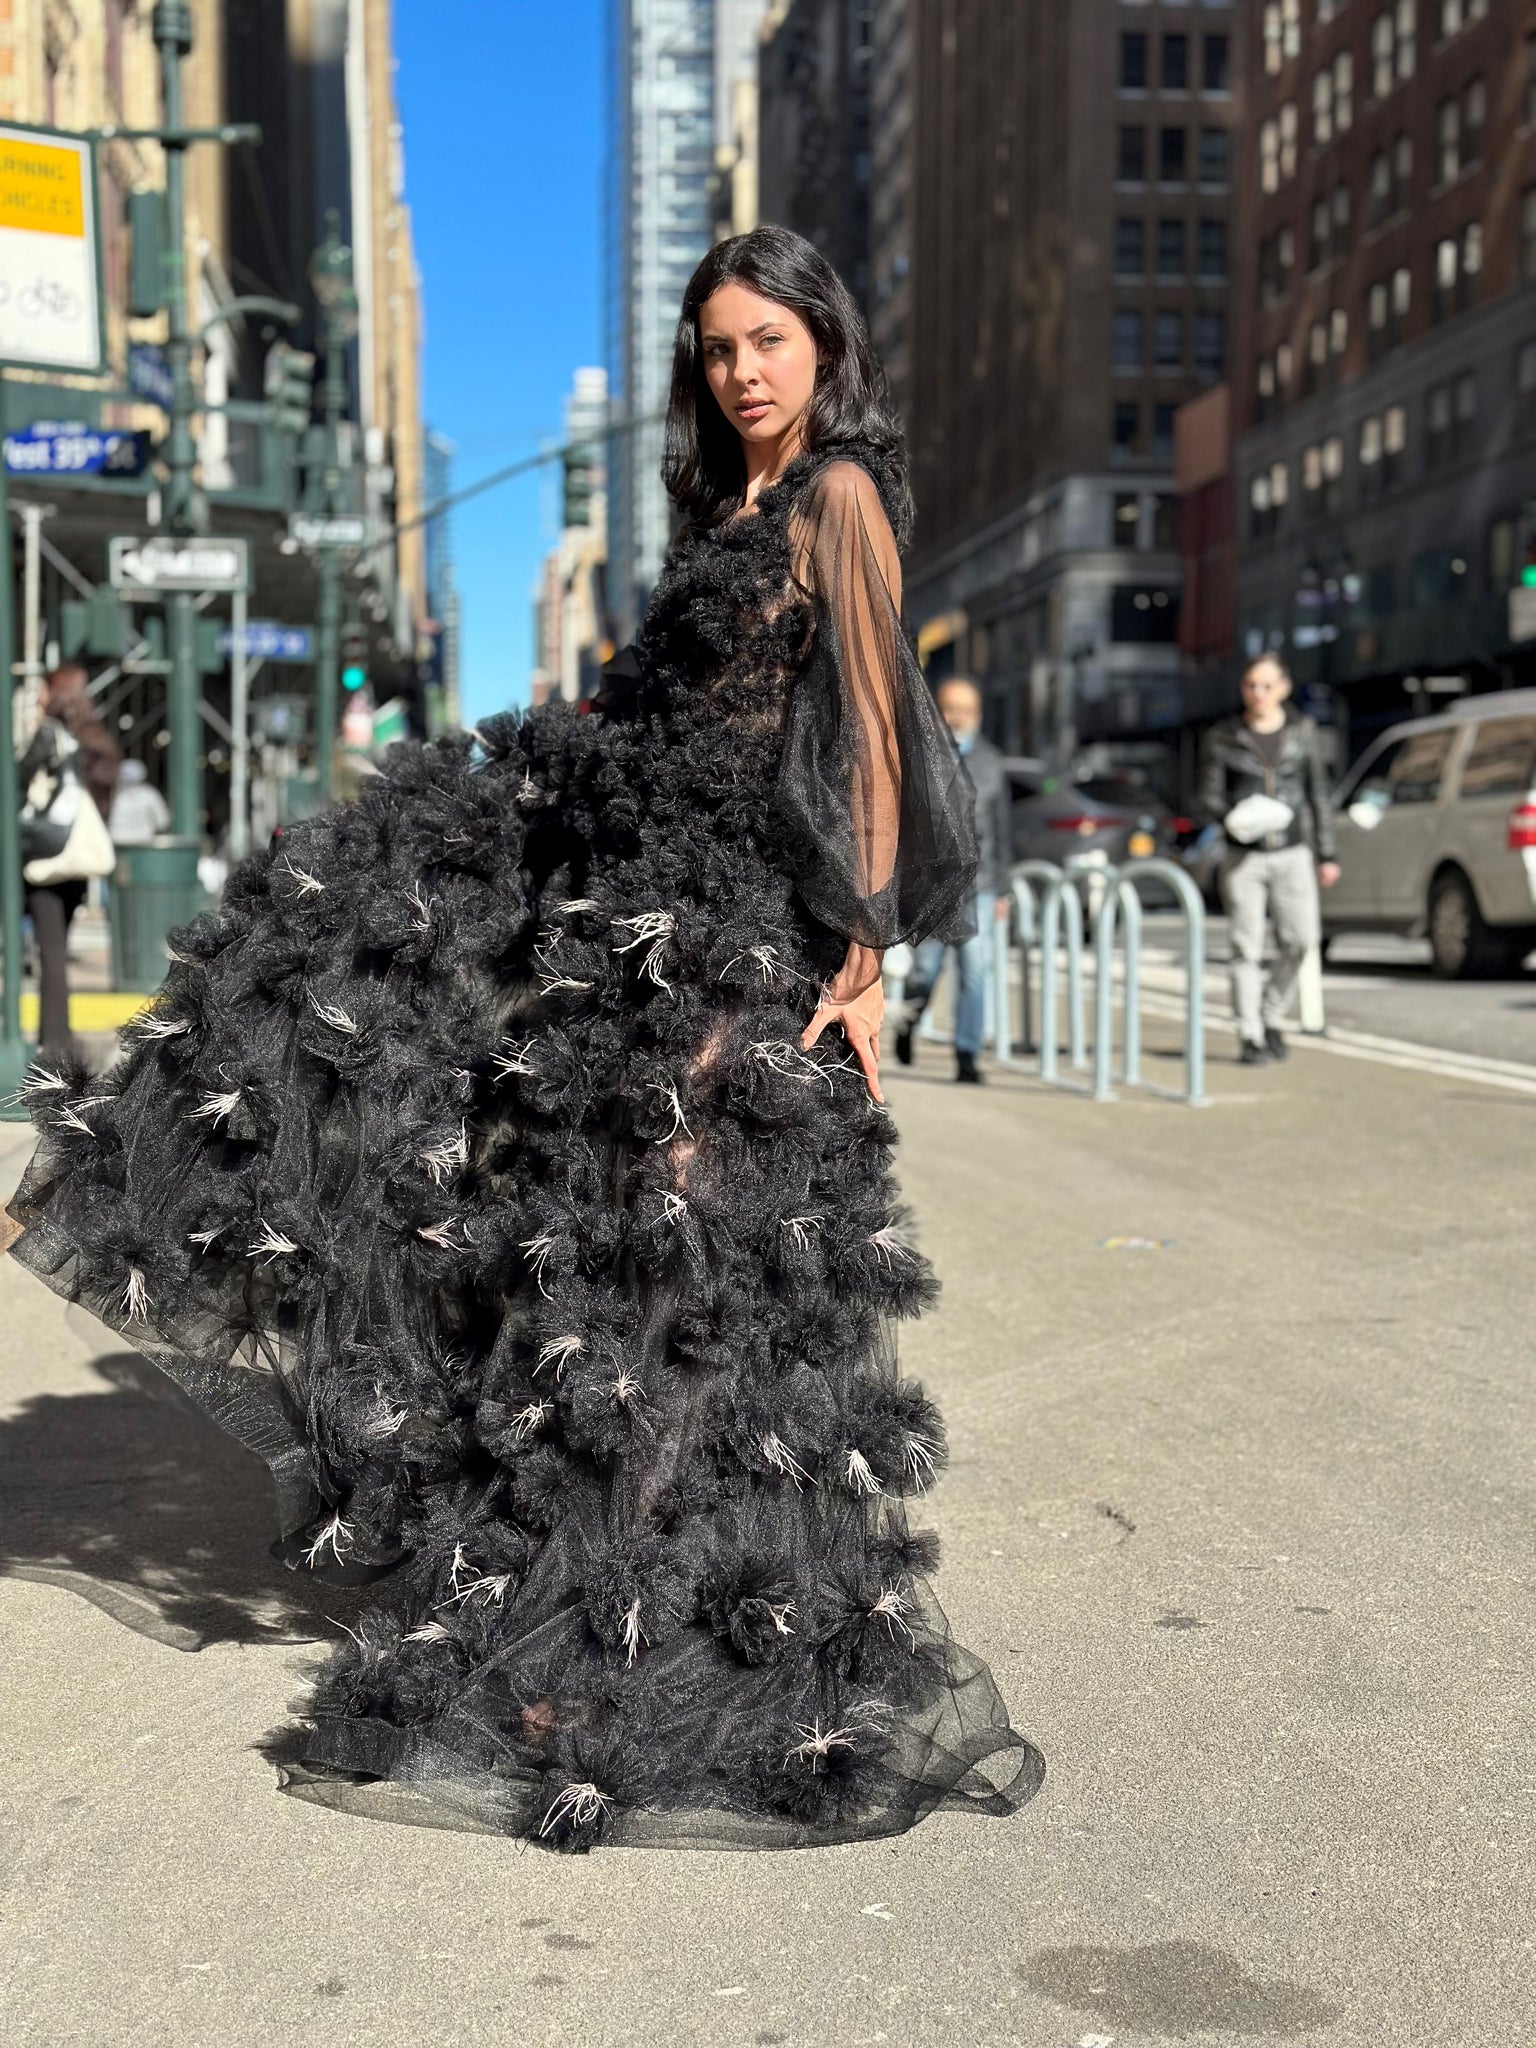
[{"x": 330, "y": 276}]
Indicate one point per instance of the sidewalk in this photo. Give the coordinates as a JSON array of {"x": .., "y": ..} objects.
[{"x": 1239, "y": 1510}]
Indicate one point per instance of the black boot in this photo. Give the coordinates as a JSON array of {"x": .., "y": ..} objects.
[
  {"x": 1274, "y": 1044},
  {"x": 904, "y": 1045},
  {"x": 1253, "y": 1054},
  {"x": 966, "y": 1068}
]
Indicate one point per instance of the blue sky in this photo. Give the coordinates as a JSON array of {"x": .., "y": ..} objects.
[{"x": 502, "y": 102}]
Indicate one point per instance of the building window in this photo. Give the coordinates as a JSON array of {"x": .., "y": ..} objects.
[
  {"x": 1474, "y": 116},
  {"x": 1383, "y": 198},
  {"x": 1370, "y": 456},
  {"x": 1131, "y": 164},
  {"x": 1215, "y": 156},
  {"x": 1338, "y": 331},
  {"x": 1175, "y": 63},
  {"x": 1168, "y": 341},
  {"x": 1525, "y": 387},
  {"x": 1343, "y": 92},
  {"x": 1282, "y": 33},
  {"x": 1128, "y": 341},
  {"x": 1269, "y": 155},
  {"x": 1394, "y": 46},
  {"x": 1133, "y": 61},
  {"x": 1268, "y": 494},
  {"x": 1173, "y": 156},
  {"x": 1162, "y": 429},
  {"x": 1459, "y": 14},
  {"x": 1450, "y": 420},
  {"x": 1394, "y": 445},
  {"x": 1171, "y": 263},
  {"x": 1386, "y": 312},
  {"x": 1447, "y": 141},
  {"x": 1341, "y": 217},
  {"x": 1210, "y": 345},
  {"x": 1130, "y": 247},
  {"x": 1322, "y": 234},
  {"x": 1322, "y": 108},
  {"x": 1165, "y": 522},
  {"x": 1216, "y": 71},
  {"x": 1458, "y": 259},
  {"x": 1211, "y": 261},
  {"x": 1127, "y": 519},
  {"x": 1125, "y": 427}
]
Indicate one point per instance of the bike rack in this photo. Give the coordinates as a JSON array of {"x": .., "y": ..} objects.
[{"x": 1119, "y": 903}]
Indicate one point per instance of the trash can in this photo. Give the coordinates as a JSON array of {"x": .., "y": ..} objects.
[{"x": 154, "y": 889}]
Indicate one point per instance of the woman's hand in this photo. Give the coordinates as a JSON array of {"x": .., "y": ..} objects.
[{"x": 861, "y": 1018}]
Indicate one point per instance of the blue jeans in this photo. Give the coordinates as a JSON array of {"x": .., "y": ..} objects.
[{"x": 973, "y": 961}]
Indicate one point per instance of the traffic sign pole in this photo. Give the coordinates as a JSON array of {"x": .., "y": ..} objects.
[
  {"x": 239, "y": 746},
  {"x": 13, "y": 1051}
]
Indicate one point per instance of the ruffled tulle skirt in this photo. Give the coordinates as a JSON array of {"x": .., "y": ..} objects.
[{"x": 468, "y": 1169}]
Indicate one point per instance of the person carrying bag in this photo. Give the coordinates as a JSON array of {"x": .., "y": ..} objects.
[{"x": 68, "y": 767}]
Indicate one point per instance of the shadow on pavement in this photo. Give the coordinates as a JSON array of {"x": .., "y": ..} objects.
[
  {"x": 1175, "y": 1988},
  {"x": 133, "y": 1500}
]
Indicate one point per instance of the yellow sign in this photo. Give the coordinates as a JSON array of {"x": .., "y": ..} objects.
[{"x": 40, "y": 188}]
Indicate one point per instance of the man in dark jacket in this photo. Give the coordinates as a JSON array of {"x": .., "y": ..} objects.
[
  {"x": 960, "y": 706},
  {"x": 1262, "y": 780}
]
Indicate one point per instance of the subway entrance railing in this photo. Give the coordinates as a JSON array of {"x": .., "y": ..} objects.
[{"x": 1079, "y": 914}]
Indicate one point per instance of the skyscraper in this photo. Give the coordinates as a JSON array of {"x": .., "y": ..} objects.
[{"x": 672, "y": 65}]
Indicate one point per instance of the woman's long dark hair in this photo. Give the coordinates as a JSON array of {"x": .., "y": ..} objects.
[{"x": 705, "y": 470}]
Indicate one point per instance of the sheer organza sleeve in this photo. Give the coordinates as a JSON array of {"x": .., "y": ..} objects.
[{"x": 881, "y": 809}]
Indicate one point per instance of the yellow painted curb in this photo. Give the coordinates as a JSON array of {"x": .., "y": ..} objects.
[{"x": 92, "y": 1011}]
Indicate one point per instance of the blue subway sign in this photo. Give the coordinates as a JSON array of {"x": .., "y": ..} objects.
[{"x": 265, "y": 640}]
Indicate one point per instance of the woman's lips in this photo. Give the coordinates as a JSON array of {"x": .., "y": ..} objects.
[{"x": 754, "y": 410}]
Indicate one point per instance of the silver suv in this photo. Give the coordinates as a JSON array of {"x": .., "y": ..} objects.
[{"x": 1437, "y": 834}]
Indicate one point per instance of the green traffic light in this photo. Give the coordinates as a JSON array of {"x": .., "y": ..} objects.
[
  {"x": 353, "y": 678},
  {"x": 1528, "y": 576}
]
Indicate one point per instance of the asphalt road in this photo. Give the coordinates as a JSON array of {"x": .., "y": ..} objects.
[
  {"x": 1240, "y": 1511},
  {"x": 1385, "y": 987}
]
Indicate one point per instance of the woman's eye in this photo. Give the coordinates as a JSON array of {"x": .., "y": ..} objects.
[{"x": 769, "y": 341}]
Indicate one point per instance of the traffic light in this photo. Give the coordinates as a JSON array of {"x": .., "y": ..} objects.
[
  {"x": 290, "y": 385},
  {"x": 97, "y": 624},
  {"x": 354, "y": 658},
  {"x": 146, "y": 291},
  {"x": 580, "y": 463}
]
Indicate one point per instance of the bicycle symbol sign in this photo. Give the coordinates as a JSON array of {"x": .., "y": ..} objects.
[{"x": 50, "y": 297}]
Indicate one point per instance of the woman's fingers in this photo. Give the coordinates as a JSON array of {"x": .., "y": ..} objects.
[
  {"x": 868, "y": 1055},
  {"x": 815, "y": 1028}
]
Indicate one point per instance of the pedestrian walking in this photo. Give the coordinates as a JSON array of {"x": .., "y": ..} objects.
[
  {"x": 66, "y": 773},
  {"x": 139, "y": 813},
  {"x": 521, "y": 1124},
  {"x": 1262, "y": 780},
  {"x": 959, "y": 703}
]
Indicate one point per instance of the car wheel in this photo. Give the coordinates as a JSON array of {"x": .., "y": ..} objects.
[{"x": 1462, "y": 945}]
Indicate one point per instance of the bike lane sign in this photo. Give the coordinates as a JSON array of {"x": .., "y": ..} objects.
[{"x": 50, "y": 255}]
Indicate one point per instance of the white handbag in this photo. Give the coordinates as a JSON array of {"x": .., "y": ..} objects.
[{"x": 88, "y": 851}]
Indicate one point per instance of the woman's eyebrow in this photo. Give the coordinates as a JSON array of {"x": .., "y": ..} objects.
[{"x": 752, "y": 332}]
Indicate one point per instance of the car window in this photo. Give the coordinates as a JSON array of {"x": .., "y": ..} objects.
[
  {"x": 1420, "y": 763},
  {"x": 1371, "y": 780},
  {"x": 1501, "y": 759}
]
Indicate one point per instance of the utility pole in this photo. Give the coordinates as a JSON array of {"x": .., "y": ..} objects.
[
  {"x": 330, "y": 274},
  {"x": 172, "y": 29}
]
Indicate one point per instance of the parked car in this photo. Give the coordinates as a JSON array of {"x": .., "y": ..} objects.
[
  {"x": 1437, "y": 835},
  {"x": 1098, "y": 822}
]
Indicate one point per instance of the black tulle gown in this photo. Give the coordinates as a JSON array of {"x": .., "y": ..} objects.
[{"x": 469, "y": 1169}]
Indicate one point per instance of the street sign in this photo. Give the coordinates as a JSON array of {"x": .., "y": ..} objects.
[
  {"x": 1522, "y": 615},
  {"x": 330, "y": 530},
  {"x": 50, "y": 257},
  {"x": 70, "y": 448},
  {"x": 265, "y": 640},
  {"x": 166, "y": 562},
  {"x": 149, "y": 374}
]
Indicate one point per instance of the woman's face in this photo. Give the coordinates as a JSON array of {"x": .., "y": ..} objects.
[{"x": 760, "y": 360}]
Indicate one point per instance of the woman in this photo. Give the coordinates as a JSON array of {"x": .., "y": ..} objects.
[
  {"x": 491, "y": 1164},
  {"x": 70, "y": 737}
]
